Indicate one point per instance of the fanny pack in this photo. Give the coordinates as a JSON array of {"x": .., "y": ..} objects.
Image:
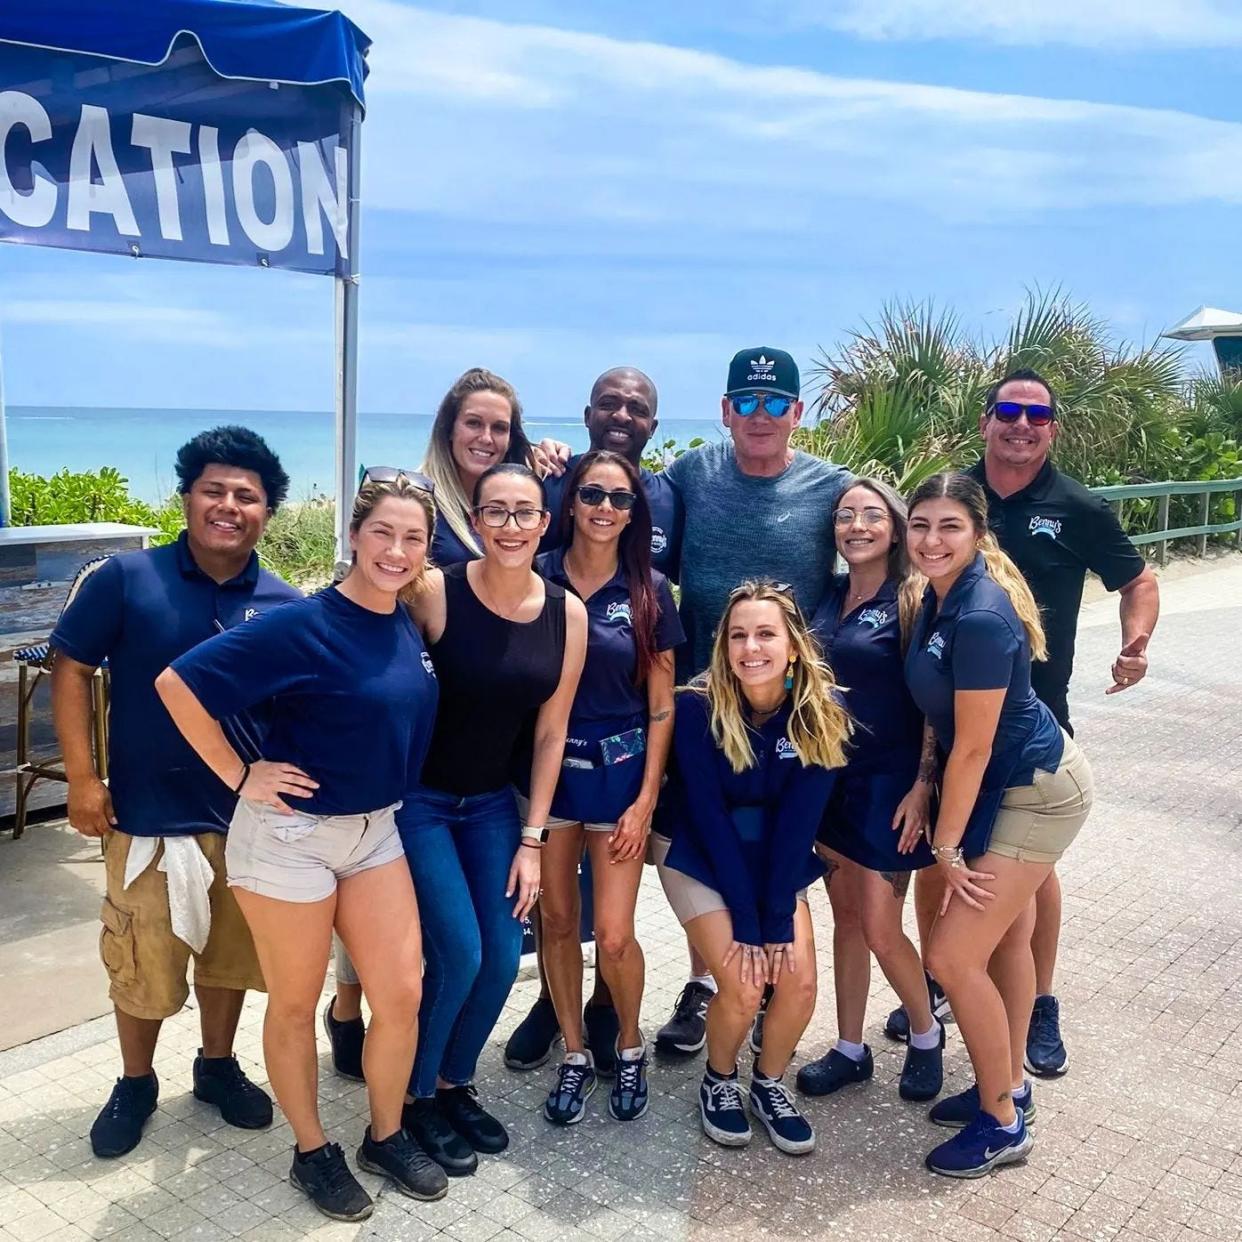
[{"x": 606, "y": 752}]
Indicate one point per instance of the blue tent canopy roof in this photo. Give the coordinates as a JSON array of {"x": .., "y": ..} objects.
[{"x": 256, "y": 40}]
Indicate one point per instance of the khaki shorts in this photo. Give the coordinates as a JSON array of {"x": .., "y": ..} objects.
[
  {"x": 146, "y": 963},
  {"x": 300, "y": 857},
  {"x": 1038, "y": 822},
  {"x": 688, "y": 898},
  {"x": 554, "y": 821}
]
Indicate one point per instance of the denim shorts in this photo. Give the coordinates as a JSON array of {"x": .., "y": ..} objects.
[{"x": 300, "y": 857}]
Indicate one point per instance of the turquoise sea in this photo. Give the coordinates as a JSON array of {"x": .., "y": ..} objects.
[{"x": 143, "y": 443}]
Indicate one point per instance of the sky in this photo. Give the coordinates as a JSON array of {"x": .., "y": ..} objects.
[{"x": 554, "y": 187}]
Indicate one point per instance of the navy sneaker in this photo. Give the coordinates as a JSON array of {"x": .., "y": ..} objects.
[
  {"x": 1045, "y": 1053},
  {"x": 575, "y": 1081},
  {"x": 833, "y": 1071},
  {"x": 956, "y": 1111},
  {"x": 628, "y": 1099},
  {"x": 686, "y": 1030},
  {"x": 788, "y": 1129},
  {"x": 979, "y": 1148},
  {"x": 922, "y": 1075},
  {"x": 119, "y": 1125},
  {"x": 602, "y": 1027},
  {"x": 721, "y": 1111},
  {"x": 897, "y": 1025},
  {"x": 532, "y": 1041}
]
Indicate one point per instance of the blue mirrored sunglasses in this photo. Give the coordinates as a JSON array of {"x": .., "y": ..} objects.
[{"x": 772, "y": 403}]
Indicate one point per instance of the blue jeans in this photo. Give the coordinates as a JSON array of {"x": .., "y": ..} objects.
[{"x": 460, "y": 851}]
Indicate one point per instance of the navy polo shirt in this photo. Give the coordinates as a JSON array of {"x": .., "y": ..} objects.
[
  {"x": 447, "y": 548},
  {"x": 352, "y": 696},
  {"x": 140, "y": 611},
  {"x": 606, "y": 690},
  {"x": 977, "y": 642},
  {"x": 749, "y": 835},
  {"x": 665, "y": 506},
  {"x": 1055, "y": 530},
  {"x": 863, "y": 649}
]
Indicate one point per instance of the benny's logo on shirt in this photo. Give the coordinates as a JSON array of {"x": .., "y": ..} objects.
[
  {"x": 618, "y": 613},
  {"x": 251, "y": 613},
  {"x": 1050, "y": 528},
  {"x": 935, "y": 645},
  {"x": 427, "y": 664},
  {"x": 785, "y": 749},
  {"x": 874, "y": 617},
  {"x": 659, "y": 541}
]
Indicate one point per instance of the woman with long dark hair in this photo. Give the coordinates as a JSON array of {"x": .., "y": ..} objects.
[
  {"x": 1014, "y": 794},
  {"x": 620, "y": 730},
  {"x": 871, "y": 837}
]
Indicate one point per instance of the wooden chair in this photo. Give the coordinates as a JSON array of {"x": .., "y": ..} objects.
[{"x": 33, "y": 665}]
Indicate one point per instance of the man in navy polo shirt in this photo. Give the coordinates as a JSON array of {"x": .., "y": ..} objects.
[{"x": 163, "y": 815}]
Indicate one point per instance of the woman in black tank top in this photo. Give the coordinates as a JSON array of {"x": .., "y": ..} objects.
[{"x": 508, "y": 649}]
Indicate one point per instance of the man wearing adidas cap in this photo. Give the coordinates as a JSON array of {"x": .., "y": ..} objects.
[{"x": 753, "y": 507}]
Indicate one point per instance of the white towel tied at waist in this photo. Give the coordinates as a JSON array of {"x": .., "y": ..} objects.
[{"x": 190, "y": 877}]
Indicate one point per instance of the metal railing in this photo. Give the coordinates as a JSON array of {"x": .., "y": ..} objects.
[{"x": 1161, "y": 492}]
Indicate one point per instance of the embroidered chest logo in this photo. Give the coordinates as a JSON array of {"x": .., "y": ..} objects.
[
  {"x": 251, "y": 613},
  {"x": 935, "y": 645},
  {"x": 1050, "y": 528},
  {"x": 618, "y": 613},
  {"x": 659, "y": 541},
  {"x": 785, "y": 749},
  {"x": 427, "y": 664},
  {"x": 873, "y": 617}
]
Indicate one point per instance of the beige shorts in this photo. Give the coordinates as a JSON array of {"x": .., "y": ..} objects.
[
  {"x": 1038, "y": 822},
  {"x": 300, "y": 857},
  {"x": 687, "y": 897},
  {"x": 146, "y": 963},
  {"x": 554, "y": 821}
]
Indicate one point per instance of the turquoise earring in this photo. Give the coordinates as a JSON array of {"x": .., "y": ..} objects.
[{"x": 789, "y": 676}]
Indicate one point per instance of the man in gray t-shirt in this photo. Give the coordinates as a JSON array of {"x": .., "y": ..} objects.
[{"x": 754, "y": 507}]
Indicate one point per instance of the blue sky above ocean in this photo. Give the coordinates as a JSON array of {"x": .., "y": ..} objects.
[{"x": 553, "y": 188}]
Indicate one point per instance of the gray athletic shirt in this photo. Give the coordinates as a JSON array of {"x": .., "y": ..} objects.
[{"x": 740, "y": 526}]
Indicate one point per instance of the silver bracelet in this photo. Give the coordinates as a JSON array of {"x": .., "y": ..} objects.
[{"x": 952, "y": 854}]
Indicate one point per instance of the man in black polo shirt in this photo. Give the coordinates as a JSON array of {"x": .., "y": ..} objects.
[{"x": 1055, "y": 530}]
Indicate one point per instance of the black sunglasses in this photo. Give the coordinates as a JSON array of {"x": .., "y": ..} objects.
[
  {"x": 592, "y": 494},
  {"x": 390, "y": 474}
]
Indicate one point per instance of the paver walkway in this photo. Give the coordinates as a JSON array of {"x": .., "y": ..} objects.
[{"x": 1143, "y": 1139}]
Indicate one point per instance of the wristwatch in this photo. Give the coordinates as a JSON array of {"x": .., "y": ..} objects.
[{"x": 536, "y": 836}]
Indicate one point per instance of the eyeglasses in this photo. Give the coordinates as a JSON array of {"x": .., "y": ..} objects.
[
  {"x": 1011, "y": 411},
  {"x": 592, "y": 494},
  {"x": 870, "y": 517},
  {"x": 497, "y": 517},
  {"x": 772, "y": 403},
  {"x": 391, "y": 474}
]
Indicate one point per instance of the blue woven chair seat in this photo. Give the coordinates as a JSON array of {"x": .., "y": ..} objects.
[{"x": 32, "y": 655}]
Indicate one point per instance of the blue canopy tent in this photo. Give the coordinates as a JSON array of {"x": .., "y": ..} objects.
[{"x": 213, "y": 131}]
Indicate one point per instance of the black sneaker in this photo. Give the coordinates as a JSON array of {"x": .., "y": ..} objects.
[
  {"x": 324, "y": 1177},
  {"x": 575, "y": 1082},
  {"x": 686, "y": 1030},
  {"x": 628, "y": 1099},
  {"x": 431, "y": 1130},
  {"x": 221, "y": 1081},
  {"x": 602, "y": 1028},
  {"x": 532, "y": 1041},
  {"x": 833, "y": 1071},
  {"x": 788, "y": 1129},
  {"x": 118, "y": 1127},
  {"x": 1045, "y": 1052},
  {"x": 460, "y": 1107},
  {"x": 400, "y": 1159},
  {"x": 756, "y": 1027},
  {"x": 721, "y": 1111},
  {"x": 897, "y": 1026},
  {"x": 922, "y": 1075},
  {"x": 346, "y": 1039}
]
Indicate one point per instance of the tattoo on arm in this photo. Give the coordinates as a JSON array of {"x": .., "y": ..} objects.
[
  {"x": 657, "y": 717},
  {"x": 929, "y": 767},
  {"x": 900, "y": 882},
  {"x": 831, "y": 867}
]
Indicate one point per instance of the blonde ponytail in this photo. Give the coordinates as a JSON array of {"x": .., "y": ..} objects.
[{"x": 1009, "y": 578}]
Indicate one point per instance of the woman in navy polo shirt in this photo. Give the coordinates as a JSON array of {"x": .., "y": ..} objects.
[
  {"x": 871, "y": 836},
  {"x": 313, "y": 843},
  {"x": 756, "y": 745},
  {"x": 1015, "y": 791},
  {"x": 620, "y": 730}
]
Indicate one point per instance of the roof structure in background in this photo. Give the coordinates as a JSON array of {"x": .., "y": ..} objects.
[{"x": 1207, "y": 322}]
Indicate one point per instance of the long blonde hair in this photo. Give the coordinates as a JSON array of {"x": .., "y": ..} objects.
[
  {"x": 369, "y": 496},
  {"x": 439, "y": 466},
  {"x": 819, "y": 726},
  {"x": 967, "y": 493}
]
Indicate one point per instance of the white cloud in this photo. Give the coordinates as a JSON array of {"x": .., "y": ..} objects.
[
  {"x": 478, "y": 119},
  {"x": 1162, "y": 25}
]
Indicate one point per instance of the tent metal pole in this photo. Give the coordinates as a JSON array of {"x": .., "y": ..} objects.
[
  {"x": 347, "y": 349},
  {"x": 6, "y": 507}
]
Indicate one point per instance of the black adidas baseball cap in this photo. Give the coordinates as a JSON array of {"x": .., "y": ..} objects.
[{"x": 763, "y": 369}]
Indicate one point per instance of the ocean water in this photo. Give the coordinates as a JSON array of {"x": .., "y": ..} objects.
[{"x": 142, "y": 443}]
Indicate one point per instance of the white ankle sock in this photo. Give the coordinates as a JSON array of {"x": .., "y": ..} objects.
[
  {"x": 704, "y": 980},
  {"x": 855, "y": 1052},
  {"x": 928, "y": 1039},
  {"x": 1017, "y": 1122}
]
